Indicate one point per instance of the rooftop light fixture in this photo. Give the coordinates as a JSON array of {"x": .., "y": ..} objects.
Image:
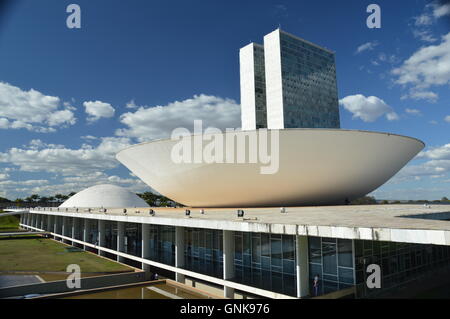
[
  {"x": 151, "y": 212},
  {"x": 240, "y": 213},
  {"x": 202, "y": 211},
  {"x": 282, "y": 210},
  {"x": 187, "y": 212}
]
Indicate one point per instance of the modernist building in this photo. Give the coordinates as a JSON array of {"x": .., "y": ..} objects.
[
  {"x": 288, "y": 83},
  {"x": 267, "y": 252}
]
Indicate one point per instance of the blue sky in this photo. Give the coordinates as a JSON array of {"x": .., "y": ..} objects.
[{"x": 71, "y": 98}]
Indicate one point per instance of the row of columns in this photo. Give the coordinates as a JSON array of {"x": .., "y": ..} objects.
[{"x": 37, "y": 220}]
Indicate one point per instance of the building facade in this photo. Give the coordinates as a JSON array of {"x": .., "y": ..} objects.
[
  {"x": 300, "y": 84},
  {"x": 253, "y": 87},
  {"x": 252, "y": 263}
]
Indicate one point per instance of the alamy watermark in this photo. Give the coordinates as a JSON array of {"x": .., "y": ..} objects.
[
  {"x": 229, "y": 147},
  {"x": 73, "y": 281}
]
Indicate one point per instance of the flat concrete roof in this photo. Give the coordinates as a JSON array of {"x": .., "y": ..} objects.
[{"x": 370, "y": 222}]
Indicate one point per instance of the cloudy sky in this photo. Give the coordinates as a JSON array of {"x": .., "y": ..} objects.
[{"x": 71, "y": 98}]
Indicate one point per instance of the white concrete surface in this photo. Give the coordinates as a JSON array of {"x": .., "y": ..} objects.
[
  {"x": 315, "y": 167},
  {"x": 104, "y": 195}
]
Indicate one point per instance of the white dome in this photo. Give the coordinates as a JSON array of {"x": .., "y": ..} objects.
[{"x": 107, "y": 196}]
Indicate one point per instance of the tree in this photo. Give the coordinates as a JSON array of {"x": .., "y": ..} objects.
[
  {"x": 445, "y": 200},
  {"x": 4, "y": 200},
  {"x": 366, "y": 200}
]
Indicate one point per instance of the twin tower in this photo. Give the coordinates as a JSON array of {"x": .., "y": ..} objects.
[{"x": 288, "y": 83}]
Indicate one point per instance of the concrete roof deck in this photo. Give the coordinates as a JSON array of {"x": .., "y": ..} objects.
[
  {"x": 370, "y": 222},
  {"x": 349, "y": 216}
]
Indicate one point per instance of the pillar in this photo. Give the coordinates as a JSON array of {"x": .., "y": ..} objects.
[
  {"x": 55, "y": 225},
  {"x": 120, "y": 239},
  {"x": 42, "y": 225},
  {"x": 74, "y": 228},
  {"x": 86, "y": 232},
  {"x": 179, "y": 252},
  {"x": 101, "y": 236},
  {"x": 228, "y": 261},
  {"x": 64, "y": 228},
  {"x": 145, "y": 253},
  {"x": 302, "y": 268}
]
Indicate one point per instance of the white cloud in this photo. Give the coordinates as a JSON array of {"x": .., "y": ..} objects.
[
  {"x": 437, "y": 153},
  {"x": 96, "y": 110},
  {"x": 423, "y": 20},
  {"x": 32, "y": 110},
  {"x": 424, "y": 35},
  {"x": 413, "y": 112},
  {"x": 42, "y": 157},
  {"x": 436, "y": 165},
  {"x": 368, "y": 109},
  {"x": 148, "y": 123},
  {"x": 131, "y": 105},
  {"x": 368, "y": 46},
  {"x": 447, "y": 119},
  {"x": 429, "y": 66},
  {"x": 441, "y": 10}
]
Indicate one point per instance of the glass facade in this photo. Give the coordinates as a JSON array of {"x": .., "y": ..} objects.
[
  {"x": 68, "y": 226},
  {"x": 162, "y": 244},
  {"x": 111, "y": 235},
  {"x": 400, "y": 262},
  {"x": 58, "y": 224},
  {"x": 260, "y": 87},
  {"x": 265, "y": 261},
  {"x": 133, "y": 239},
  {"x": 331, "y": 260},
  {"x": 310, "y": 98},
  {"x": 92, "y": 233},
  {"x": 203, "y": 251},
  {"x": 79, "y": 226}
]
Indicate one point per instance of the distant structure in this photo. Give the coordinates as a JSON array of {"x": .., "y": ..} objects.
[
  {"x": 288, "y": 83},
  {"x": 106, "y": 196}
]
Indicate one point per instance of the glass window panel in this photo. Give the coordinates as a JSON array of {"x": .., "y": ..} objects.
[
  {"x": 346, "y": 275},
  {"x": 276, "y": 252},
  {"x": 256, "y": 250},
  {"x": 329, "y": 258},
  {"x": 345, "y": 253},
  {"x": 315, "y": 251}
]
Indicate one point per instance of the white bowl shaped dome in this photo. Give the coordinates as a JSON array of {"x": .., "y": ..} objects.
[
  {"x": 316, "y": 167},
  {"x": 105, "y": 195}
]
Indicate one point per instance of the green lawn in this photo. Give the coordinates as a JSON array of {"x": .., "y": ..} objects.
[
  {"x": 9, "y": 223},
  {"x": 40, "y": 254}
]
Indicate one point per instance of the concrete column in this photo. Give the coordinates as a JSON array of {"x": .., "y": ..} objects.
[
  {"x": 101, "y": 236},
  {"x": 302, "y": 268},
  {"x": 145, "y": 248},
  {"x": 64, "y": 228},
  {"x": 179, "y": 252},
  {"x": 49, "y": 223},
  {"x": 55, "y": 225},
  {"x": 86, "y": 231},
  {"x": 228, "y": 261},
  {"x": 75, "y": 224},
  {"x": 42, "y": 221},
  {"x": 120, "y": 239},
  {"x": 34, "y": 220}
]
